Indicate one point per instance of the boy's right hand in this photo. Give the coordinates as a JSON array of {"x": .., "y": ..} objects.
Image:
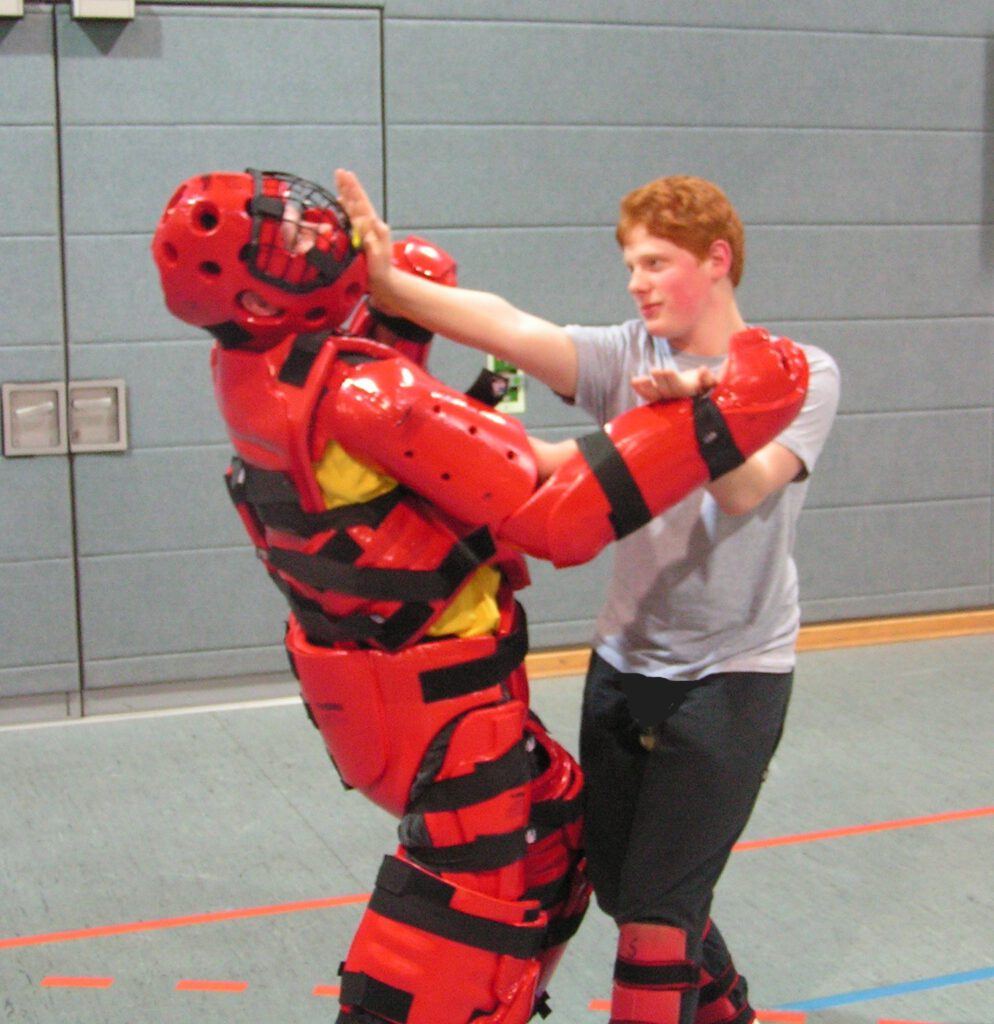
[{"x": 372, "y": 233}]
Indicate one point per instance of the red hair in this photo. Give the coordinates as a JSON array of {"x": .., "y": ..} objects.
[{"x": 689, "y": 212}]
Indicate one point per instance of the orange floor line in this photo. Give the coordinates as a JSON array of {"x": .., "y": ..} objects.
[
  {"x": 181, "y": 922},
  {"x": 54, "y": 981},
  {"x": 191, "y": 985},
  {"x": 327, "y": 990},
  {"x": 856, "y": 830}
]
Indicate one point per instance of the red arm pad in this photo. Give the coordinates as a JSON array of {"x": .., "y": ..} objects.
[
  {"x": 652, "y": 457},
  {"x": 471, "y": 461}
]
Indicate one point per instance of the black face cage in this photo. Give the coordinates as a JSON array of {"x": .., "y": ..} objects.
[{"x": 266, "y": 255}]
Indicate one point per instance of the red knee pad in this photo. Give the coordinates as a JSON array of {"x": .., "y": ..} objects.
[{"x": 654, "y": 981}]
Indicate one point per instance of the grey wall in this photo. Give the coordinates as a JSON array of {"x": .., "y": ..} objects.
[{"x": 855, "y": 138}]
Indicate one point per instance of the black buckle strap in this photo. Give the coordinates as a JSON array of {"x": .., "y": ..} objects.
[
  {"x": 319, "y": 628},
  {"x": 418, "y": 585},
  {"x": 550, "y": 815},
  {"x": 489, "y": 387},
  {"x": 275, "y": 502},
  {"x": 487, "y": 780},
  {"x": 628, "y": 508},
  {"x": 484, "y": 853},
  {"x": 469, "y": 676},
  {"x": 230, "y": 334},
  {"x": 717, "y": 447},
  {"x": 300, "y": 359},
  {"x": 681, "y": 974},
  {"x": 375, "y": 996},
  {"x": 402, "y": 327},
  {"x": 409, "y": 896}
]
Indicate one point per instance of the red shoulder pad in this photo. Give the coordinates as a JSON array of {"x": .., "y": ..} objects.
[
  {"x": 418, "y": 256},
  {"x": 468, "y": 459}
]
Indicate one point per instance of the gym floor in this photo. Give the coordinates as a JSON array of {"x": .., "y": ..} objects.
[{"x": 204, "y": 863}]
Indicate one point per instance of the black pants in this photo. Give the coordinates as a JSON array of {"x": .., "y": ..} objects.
[{"x": 672, "y": 774}]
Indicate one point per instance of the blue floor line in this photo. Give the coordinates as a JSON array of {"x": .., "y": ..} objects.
[{"x": 867, "y": 994}]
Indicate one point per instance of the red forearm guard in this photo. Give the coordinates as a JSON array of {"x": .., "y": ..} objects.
[{"x": 651, "y": 457}]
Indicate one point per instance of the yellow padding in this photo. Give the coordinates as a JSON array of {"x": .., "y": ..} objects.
[{"x": 345, "y": 480}]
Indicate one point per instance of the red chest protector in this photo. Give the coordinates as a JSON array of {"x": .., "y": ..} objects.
[{"x": 373, "y": 574}]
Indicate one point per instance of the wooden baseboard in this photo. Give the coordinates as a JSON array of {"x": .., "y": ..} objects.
[{"x": 823, "y": 636}]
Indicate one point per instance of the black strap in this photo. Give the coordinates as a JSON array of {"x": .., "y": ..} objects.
[
  {"x": 375, "y": 996},
  {"x": 402, "y": 327},
  {"x": 319, "y": 628},
  {"x": 628, "y": 508},
  {"x": 489, "y": 387},
  {"x": 419, "y": 585},
  {"x": 562, "y": 929},
  {"x": 230, "y": 334},
  {"x": 714, "y": 439},
  {"x": 409, "y": 896},
  {"x": 275, "y": 502},
  {"x": 469, "y": 676},
  {"x": 487, "y": 780},
  {"x": 484, "y": 853},
  {"x": 674, "y": 975},
  {"x": 550, "y": 815},
  {"x": 300, "y": 359}
]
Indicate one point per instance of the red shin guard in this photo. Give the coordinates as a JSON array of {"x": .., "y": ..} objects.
[{"x": 654, "y": 981}]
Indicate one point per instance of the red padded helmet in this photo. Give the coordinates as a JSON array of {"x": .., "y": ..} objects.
[{"x": 283, "y": 239}]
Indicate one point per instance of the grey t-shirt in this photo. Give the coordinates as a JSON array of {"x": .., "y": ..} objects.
[{"x": 696, "y": 591}]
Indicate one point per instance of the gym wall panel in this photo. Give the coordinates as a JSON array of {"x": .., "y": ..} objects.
[
  {"x": 881, "y": 458},
  {"x": 966, "y": 16},
  {"x": 904, "y": 365},
  {"x": 150, "y": 617},
  {"x": 652, "y": 75},
  {"x": 515, "y": 174},
  {"x": 37, "y": 609},
  {"x": 38, "y": 646},
  {"x": 169, "y": 588},
  {"x": 891, "y": 559}
]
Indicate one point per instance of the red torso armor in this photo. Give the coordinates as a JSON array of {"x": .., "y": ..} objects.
[{"x": 376, "y": 573}]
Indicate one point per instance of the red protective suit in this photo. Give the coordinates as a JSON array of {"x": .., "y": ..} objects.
[
  {"x": 392, "y": 511},
  {"x": 437, "y": 730}
]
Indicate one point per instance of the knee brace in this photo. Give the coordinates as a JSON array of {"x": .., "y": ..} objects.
[
  {"x": 654, "y": 981},
  {"x": 428, "y": 952}
]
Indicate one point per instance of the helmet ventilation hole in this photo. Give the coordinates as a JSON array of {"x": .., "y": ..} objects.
[
  {"x": 210, "y": 269},
  {"x": 206, "y": 217}
]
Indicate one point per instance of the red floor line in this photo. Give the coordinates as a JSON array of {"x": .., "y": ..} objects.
[
  {"x": 19, "y": 942},
  {"x": 856, "y": 830},
  {"x": 181, "y": 922},
  {"x": 55, "y": 981},
  {"x": 327, "y": 990},
  {"x": 192, "y": 985}
]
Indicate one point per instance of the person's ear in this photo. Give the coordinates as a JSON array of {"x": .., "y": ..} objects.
[{"x": 720, "y": 257}]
